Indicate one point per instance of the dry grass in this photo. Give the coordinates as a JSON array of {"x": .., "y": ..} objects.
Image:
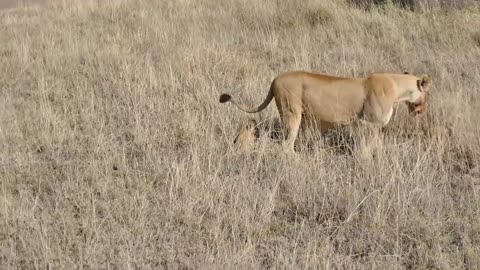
[{"x": 115, "y": 153}]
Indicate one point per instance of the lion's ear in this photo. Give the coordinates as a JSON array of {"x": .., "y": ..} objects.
[{"x": 424, "y": 83}]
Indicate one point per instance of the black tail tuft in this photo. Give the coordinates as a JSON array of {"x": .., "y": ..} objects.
[{"x": 224, "y": 98}]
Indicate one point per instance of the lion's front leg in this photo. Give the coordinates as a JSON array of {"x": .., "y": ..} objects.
[{"x": 368, "y": 139}]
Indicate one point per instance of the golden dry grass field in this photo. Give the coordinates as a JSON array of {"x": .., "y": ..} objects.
[{"x": 115, "y": 153}]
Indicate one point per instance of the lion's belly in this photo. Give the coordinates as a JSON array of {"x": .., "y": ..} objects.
[
  {"x": 334, "y": 105},
  {"x": 330, "y": 114},
  {"x": 312, "y": 123}
]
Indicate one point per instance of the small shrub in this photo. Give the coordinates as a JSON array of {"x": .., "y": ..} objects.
[
  {"x": 293, "y": 15},
  {"x": 318, "y": 16},
  {"x": 476, "y": 38},
  {"x": 368, "y": 4},
  {"x": 411, "y": 4}
]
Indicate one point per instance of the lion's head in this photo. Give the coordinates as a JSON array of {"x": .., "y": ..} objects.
[{"x": 420, "y": 106}]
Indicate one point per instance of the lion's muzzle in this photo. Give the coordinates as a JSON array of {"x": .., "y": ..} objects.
[{"x": 416, "y": 108}]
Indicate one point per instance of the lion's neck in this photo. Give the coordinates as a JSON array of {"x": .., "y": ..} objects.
[
  {"x": 402, "y": 94},
  {"x": 405, "y": 85}
]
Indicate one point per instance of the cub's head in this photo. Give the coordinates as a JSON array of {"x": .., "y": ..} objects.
[
  {"x": 424, "y": 83},
  {"x": 247, "y": 135}
]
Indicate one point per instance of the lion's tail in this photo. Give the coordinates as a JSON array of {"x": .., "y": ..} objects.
[{"x": 226, "y": 98}]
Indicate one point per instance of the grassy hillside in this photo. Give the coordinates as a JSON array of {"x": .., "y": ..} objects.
[{"x": 115, "y": 153}]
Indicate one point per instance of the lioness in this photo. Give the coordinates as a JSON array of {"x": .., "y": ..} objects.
[{"x": 324, "y": 101}]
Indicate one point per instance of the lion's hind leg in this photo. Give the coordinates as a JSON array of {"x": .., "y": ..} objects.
[
  {"x": 291, "y": 121},
  {"x": 289, "y": 105}
]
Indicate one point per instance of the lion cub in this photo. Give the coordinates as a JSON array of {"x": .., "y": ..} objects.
[{"x": 247, "y": 135}]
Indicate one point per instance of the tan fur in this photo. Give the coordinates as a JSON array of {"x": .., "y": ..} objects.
[
  {"x": 324, "y": 101},
  {"x": 246, "y": 136}
]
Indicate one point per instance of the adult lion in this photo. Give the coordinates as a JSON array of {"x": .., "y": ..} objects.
[{"x": 325, "y": 101}]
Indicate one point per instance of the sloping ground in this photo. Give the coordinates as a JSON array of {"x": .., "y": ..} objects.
[{"x": 114, "y": 151}]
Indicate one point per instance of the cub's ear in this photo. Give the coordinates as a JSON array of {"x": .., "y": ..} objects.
[{"x": 424, "y": 83}]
